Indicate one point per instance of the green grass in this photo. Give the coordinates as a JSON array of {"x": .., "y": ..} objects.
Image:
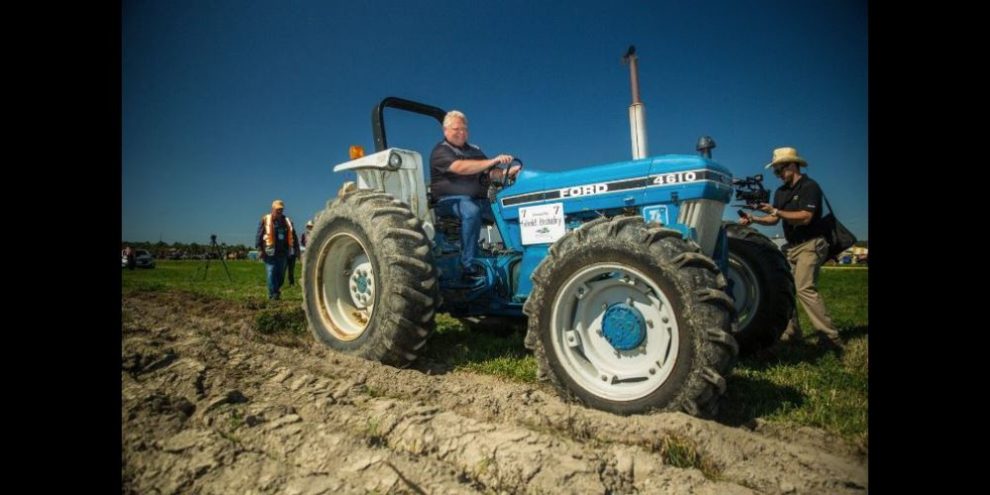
[
  {"x": 805, "y": 386},
  {"x": 800, "y": 386},
  {"x": 463, "y": 349},
  {"x": 247, "y": 279},
  {"x": 683, "y": 453}
]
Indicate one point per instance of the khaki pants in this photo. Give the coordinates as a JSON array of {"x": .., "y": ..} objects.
[{"x": 806, "y": 259}]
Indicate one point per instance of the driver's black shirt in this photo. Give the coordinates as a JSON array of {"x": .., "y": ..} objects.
[
  {"x": 443, "y": 182},
  {"x": 805, "y": 195}
]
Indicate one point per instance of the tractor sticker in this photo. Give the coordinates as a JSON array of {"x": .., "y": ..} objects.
[
  {"x": 656, "y": 214},
  {"x": 542, "y": 224}
]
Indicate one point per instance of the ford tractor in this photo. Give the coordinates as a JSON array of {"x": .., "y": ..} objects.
[{"x": 635, "y": 294}]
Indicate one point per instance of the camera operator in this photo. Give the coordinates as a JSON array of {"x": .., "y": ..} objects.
[{"x": 798, "y": 202}]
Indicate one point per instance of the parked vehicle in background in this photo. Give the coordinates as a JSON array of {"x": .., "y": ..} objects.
[{"x": 142, "y": 258}]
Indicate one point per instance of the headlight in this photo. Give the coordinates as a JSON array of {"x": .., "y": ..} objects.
[{"x": 394, "y": 160}]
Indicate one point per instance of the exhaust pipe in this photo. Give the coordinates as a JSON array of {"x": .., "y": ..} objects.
[
  {"x": 637, "y": 112},
  {"x": 704, "y": 146}
]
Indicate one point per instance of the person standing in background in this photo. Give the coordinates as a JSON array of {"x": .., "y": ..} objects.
[
  {"x": 304, "y": 238},
  {"x": 275, "y": 241},
  {"x": 290, "y": 265}
]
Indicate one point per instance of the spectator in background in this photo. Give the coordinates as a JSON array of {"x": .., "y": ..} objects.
[
  {"x": 275, "y": 242},
  {"x": 290, "y": 265},
  {"x": 305, "y": 236},
  {"x": 131, "y": 257}
]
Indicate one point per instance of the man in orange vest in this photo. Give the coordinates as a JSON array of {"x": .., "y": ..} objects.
[{"x": 276, "y": 243}]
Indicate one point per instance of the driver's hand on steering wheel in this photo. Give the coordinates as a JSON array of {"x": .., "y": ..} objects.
[{"x": 503, "y": 159}]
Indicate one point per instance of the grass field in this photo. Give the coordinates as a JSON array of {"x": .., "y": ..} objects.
[{"x": 799, "y": 385}]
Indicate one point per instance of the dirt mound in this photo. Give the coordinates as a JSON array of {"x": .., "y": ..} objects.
[{"x": 211, "y": 406}]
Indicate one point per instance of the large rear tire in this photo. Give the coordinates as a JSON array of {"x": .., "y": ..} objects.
[
  {"x": 629, "y": 318},
  {"x": 762, "y": 287},
  {"x": 369, "y": 282}
]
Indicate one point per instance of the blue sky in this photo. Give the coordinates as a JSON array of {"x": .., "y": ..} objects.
[{"x": 227, "y": 105}]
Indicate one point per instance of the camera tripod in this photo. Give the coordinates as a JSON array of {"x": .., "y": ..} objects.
[{"x": 215, "y": 250}]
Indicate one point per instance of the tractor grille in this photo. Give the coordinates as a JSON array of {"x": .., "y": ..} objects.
[{"x": 705, "y": 217}]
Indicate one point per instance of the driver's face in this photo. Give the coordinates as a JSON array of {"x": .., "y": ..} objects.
[{"x": 457, "y": 132}]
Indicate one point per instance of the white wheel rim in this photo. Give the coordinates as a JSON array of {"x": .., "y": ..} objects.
[
  {"x": 582, "y": 349},
  {"x": 745, "y": 296},
  {"x": 346, "y": 287}
]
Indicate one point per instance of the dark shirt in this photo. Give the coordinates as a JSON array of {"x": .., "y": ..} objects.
[
  {"x": 444, "y": 182},
  {"x": 281, "y": 230},
  {"x": 805, "y": 195}
]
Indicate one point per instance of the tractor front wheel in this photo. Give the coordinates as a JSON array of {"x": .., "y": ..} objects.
[{"x": 629, "y": 318}]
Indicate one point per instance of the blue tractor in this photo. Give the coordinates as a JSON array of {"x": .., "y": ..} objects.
[{"x": 618, "y": 271}]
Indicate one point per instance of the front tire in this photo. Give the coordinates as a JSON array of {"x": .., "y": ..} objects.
[
  {"x": 629, "y": 318},
  {"x": 369, "y": 282}
]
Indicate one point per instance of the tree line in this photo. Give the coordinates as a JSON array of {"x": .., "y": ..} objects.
[{"x": 179, "y": 250}]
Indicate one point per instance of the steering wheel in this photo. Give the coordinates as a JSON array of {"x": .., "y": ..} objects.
[{"x": 496, "y": 185}]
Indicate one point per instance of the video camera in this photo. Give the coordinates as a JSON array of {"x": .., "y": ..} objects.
[{"x": 751, "y": 190}]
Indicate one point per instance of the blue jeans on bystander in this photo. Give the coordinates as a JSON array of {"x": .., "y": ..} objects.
[{"x": 275, "y": 271}]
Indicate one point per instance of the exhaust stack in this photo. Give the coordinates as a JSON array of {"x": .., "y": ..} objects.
[{"x": 637, "y": 111}]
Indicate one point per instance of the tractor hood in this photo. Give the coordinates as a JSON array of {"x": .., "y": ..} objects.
[{"x": 626, "y": 183}]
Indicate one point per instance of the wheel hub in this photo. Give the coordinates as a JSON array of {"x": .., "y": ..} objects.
[
  {"x": 623, "y": 326},
  {"x": 362, "y": 282}
]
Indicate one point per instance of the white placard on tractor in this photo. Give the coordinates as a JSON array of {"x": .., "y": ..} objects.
[{"x": 542, "y": 224}]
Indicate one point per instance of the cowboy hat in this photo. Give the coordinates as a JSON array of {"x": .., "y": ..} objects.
[{"x": 786, "y": 155}]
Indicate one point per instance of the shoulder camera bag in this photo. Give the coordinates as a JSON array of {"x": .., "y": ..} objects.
[{"x": 839, "y": 238}]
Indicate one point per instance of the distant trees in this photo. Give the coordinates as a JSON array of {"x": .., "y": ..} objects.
[{"x": 178, "y": 250}]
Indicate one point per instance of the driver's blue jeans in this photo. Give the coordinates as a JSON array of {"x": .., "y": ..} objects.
[{"x": 470, "y": 211}]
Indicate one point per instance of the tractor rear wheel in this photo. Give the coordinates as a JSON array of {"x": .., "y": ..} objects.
[
  {"x": 629, "y": 318},
  {"x": 762, "y": 287},
  {"x": 369, "y": 282}
]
